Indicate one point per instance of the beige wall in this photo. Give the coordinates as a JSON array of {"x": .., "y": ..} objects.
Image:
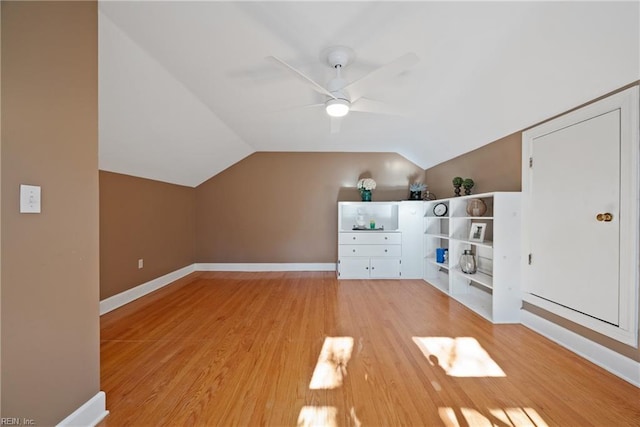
[
  {"x": 493, "y": 167},
  {"x": 143, "y": 219},
  {"x": 50, "y": 313},
  {"x": 282, "y": 207}
]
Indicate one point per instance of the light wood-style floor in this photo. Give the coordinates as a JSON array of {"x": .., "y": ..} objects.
[{"x": 287, "y": 349}]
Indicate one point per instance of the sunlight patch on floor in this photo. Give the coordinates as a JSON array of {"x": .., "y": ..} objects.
[
  {"x": 331, "y": 367},
  {"x": 318, "y": 416},
  {"x": 458, "y": 357},
  {"x": 514, "y": 417}
]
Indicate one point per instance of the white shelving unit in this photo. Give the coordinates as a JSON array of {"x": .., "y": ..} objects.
[
  {"x": 494, "y": 290},
  {"x": 436, "y": 235}
]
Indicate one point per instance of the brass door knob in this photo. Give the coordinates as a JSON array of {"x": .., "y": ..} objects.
[{"x": 606, "y": 217}]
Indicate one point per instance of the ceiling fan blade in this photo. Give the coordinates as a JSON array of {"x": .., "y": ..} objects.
[
  {"x": 301, "y": 76},
  {"x": 335, "y": 124},
  {"x": 366, "y": 105},
  {"x": 358, "y": 88},
  {"x": 297, "y": 107}
]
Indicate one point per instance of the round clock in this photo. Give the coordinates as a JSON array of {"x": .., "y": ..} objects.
[{"x": 440, "y": 209}]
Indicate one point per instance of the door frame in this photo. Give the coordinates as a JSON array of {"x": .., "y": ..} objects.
[{"x": 628, "y": 102}]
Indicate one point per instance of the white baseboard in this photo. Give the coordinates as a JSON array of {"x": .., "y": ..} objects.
[
  {"x": 129, "y": 295},
  {"x": 89, "y": 414},
  {"x": 619, "y": 365},
  {"x": 118, "y": 300},
  {"x": 329, "y": 266}
]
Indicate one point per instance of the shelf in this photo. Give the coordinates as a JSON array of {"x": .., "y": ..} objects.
[
  {"x": 477, "y": 301},
  {"x": 437, "y": 236},
  {"x": 480, "y": 278},
  {"x": 438, "y": 264},
  {"x": 494, "y": 297},
  {"x": 485, "y": 244},
  {"x": 385, "y": 215},
  {"x": 440, "y": 281},
  {"x": 473, "y": 217}
]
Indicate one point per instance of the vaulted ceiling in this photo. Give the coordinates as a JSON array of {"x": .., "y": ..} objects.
[{"x": 185, "y": 90}]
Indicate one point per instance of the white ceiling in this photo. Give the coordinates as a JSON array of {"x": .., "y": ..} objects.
[{"x": 185, "y": 90}]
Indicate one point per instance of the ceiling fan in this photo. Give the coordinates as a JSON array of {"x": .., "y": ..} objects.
[{"x": 343, "y": 96}]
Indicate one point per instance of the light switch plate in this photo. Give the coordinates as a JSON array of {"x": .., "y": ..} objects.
[{"x": 29, "y": 199}]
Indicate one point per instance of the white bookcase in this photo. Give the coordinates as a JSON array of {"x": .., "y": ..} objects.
[{"x": 494, "y": 290}]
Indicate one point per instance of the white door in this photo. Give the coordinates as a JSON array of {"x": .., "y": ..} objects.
[
  {"x": 574, "y": 256},
  {"x": 353, "y": 268},
  {"x": 385, "y": 268},
  {"x": 410, "y": 220}
]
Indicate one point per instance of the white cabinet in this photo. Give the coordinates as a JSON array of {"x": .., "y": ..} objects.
[
  {"x": 494, "y": 290},
  {"x": 378, "y": 252},
  {"x": 368, "y": 268},
  {"x": 369, "y": 254}
]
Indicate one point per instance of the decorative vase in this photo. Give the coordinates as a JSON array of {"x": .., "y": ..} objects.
[
  {"x": 428, "y": 196},
  {"x": 456, "y": 190},
  {"x": 366, "y": 195},
  {"x": 415, "y": 195},
  {"x": 476, "y": 207},
  {"x": 468, "y": 262}
]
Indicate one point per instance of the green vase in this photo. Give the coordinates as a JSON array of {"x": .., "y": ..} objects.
[{"x": 366, "y": 195}]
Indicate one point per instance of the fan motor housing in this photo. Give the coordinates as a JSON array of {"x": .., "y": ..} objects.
[
  {"x": 335, "y": 86},
  {"x": 337, "y": 56}
]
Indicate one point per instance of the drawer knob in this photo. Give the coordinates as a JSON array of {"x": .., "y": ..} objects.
[
  {"x": 386, "y": 250},
  {"x": 386, "y": 238},
  {"x": 354, "y": 250},
  {"x": 354, "y": 237}
]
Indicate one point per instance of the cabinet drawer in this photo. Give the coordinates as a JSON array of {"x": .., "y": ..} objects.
[
  {"x": 369, "y": 238},
  {"x": 369, "y": 250}
]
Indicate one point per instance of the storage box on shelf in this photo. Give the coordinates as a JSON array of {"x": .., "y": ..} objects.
[{"x": 494, "y": 290}]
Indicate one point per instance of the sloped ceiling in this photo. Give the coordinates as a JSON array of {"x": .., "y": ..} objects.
[{"x": 186, "y": 91}]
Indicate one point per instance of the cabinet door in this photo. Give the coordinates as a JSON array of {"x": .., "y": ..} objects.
[
  {"x": 385, "y": 268},
  {"x": 411, "y": 218},
  {"x": 575, "y": 256},
  {"x": 353, "y": 268},
  {"x": 580, "y": 265}
]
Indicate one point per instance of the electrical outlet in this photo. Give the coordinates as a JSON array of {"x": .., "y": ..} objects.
[{"x": 140, "y": 263}]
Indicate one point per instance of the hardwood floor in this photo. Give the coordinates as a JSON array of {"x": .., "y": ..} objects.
[{"x": 287, "y": 349}]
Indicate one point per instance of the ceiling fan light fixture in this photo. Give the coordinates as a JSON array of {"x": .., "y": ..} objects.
[{"x": 337, "y": 107}]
